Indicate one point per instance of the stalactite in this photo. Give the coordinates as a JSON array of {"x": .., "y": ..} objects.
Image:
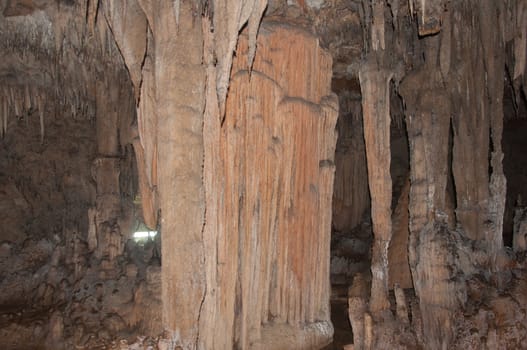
[
  {"x": 27, "y": 98},
  {"x": 147, "y": 120},
  {"x": 375, "y": 86},
  {"x": 3, "y": 109},
  {"x": 129, "y": 29},
  {"x": 228, "y": 19},
  {"x": 350, "y": 194},
  {"x": 429, "y": 15},
  {"x": 377, "y": 30},
  {"x": 148, "y": 192},
  {"x": 520, "y": 41},
  {"x": 40, "y": 106},
  {"x": 494, "y": 57}
]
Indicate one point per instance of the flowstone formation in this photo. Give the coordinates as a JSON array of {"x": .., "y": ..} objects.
[{"x": 317, "y": 174}]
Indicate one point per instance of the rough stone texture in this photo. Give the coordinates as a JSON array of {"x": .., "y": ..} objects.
[
  {"x": 275, "y": 162},
  {"x": 45, "y": 187},
  {"x": 235, "y": 169},
  {"x": 519, "y": 237},
  {"x": 376, "y": 108},
  {"x": 180, "y": 166}
]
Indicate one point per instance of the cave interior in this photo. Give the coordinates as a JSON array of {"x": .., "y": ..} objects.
[{"x": 263, "y": 174}]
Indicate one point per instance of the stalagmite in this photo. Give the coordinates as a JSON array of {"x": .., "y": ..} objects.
[
  {"x": 401, "y": 308},
  {"x": 368, "y": 332},
  {"x": 357, "y": 307},
  {"x": 436, "y": 285}
]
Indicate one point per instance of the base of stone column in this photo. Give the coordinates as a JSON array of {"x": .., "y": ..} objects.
[{"x": 286, "y": 337}]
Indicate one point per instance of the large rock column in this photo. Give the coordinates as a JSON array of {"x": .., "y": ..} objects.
[
  {"x": 180, "y": 84},
  {"x": 375, "y": 85},
  {"x": 169, "y": 146},
  {"x": 270, "y": 212},
  {"x": 428, "y": 111},
  {"x": 106, "y": 169},
  {"x": 245, "y": 195}
]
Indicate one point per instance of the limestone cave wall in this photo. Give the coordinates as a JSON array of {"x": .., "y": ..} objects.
[{"x": 266, "y": 142}]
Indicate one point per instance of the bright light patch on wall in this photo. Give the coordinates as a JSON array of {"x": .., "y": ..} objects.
[{"x": 144, "y": 234}]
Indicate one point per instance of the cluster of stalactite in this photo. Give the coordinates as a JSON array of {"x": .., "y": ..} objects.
[
  {"x": 61, "y": 61},
  {"x": 239, "y": 181},
  {"x": 235, "y": 153},
  {"x": 250, "y": 261},
  {"x": 62, "y": 69},
  {"x": 449, "y": 70},
  {"x": 57, "y": 59}
]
